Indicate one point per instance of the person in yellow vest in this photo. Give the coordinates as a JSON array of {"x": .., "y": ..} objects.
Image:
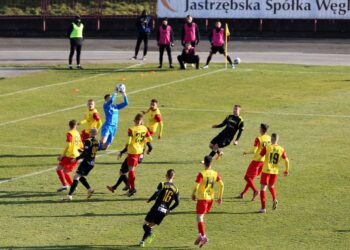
[
  {"x": 273, "y": 154},
  {"x": 204, "y": 192},
  {"x": 75, "y": 35},
  {"x": 92, "y": 120},
  {"x": 255, "y": 166},
  {"x": 70, "y": 152}
]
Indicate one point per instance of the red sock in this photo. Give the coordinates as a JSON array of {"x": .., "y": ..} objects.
[
  {"x": 201, "y": 228},
  {"x": 61, "y": 177},
  {"x": 68, "y": 178},
  {"x": 263, "y": 198},
  {"x": 273, "y": 193},
  {"x": 250, "y": 184},
  {"x": 131, "y": 179}
]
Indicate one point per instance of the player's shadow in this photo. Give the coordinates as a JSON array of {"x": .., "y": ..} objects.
[
  {"x": 27, "y": 156},
  {"x": 342, "y": 231},
  {"x": 25, "y": 194},
  {"x": 212, "y": 212},
  {"x": 83, "y": 215}
]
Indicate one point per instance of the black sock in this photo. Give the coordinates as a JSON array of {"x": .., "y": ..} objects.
[
  {"x": 212, "y": 153},
  {"x": 84, "y": 182},
  {"x": 121, "y": 179},
  {"x": 147, "y": 233},
  {"x": 73, "y": 187},
  {"x": 150, "y": 147}
]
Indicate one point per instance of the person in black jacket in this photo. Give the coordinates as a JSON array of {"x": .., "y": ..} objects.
[
  {"x": 188, "y": 55},
  {"x": 143, "y": 24},
  {"x": 75, "y": 35}
]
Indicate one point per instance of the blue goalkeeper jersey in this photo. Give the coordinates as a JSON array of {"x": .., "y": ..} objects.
[{"x": 112, "y": 110}]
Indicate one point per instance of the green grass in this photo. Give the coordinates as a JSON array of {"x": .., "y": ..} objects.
[{"x": 308, "y": 106}]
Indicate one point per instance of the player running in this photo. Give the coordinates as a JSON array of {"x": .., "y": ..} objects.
[
  {"x": 91, "y": 146},
  {"x": 154, "y": 120},
  {"x": 273, "y": 153},
  {"x": 138, "y": 136},
  {"x": 110, "y": 126},
  {"x": 255, "y": 166},
  {"x": 217, "y": 40},
  {"x": 204, "y": 193},
  {"x": 92, "y": 120},
  {"x": 233, "y": 124},
  {"x": 71, "y": 151},
  {"x": 165, "y": 194}
]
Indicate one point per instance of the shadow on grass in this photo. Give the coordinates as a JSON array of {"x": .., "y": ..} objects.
[
  {"x": 342, "y": 231},
  {"x": 25, "y": 194},
  {"x": 150, "y": 163},
  {"x": 150, "y": 70},
  {"x": 101, "y": 247}
]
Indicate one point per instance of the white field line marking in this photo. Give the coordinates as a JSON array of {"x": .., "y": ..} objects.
[
  {"x": 29, "y": 147},
  {"x": 66, "y": 82},
  {"x": 130, "y": 93},
  {"x": 46, "y": 170}
]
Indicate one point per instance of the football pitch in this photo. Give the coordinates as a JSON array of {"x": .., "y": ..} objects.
[{"x": 308, "y": 106}]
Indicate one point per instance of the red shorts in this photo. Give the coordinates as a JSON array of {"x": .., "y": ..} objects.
[
  {"x": 204, "y": 206},
  {"x": 150, "y": 132},
  {"x": 84, "y": 135},
  {"x": 268, "y": 179},
  {"x": 133, "y": 160},
  {"x": 67, "y": 164},
  {"x": 254, "y": 168}
]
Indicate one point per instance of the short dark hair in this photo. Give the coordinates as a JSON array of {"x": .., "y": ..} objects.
[
  {"x": 154, "y": 100},
  {"x": 170, "y": 173},
  {"x": 188, "y": 16},
  {"x": 107, "y": 96},
  {"x": 264, "y": 127},
  {"x": 207, "y": 160},
  {"x": 138, "y": 117},
  {"x": 237, "y": 106},
  {"x": 72, "y": 123},
  {"x": 274, "y": 136},
  {"x": 91, "y": 100}
]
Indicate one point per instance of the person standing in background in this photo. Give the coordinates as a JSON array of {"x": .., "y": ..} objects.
[
  {"x": 75, "y": 35},
  {"x": 143, "y": 24},
  {"x": 190, "y": 32},
  {"x": 165, "y": 40}
]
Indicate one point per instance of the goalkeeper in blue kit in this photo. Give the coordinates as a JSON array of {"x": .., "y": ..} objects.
[{"x": 110, "y": 126}]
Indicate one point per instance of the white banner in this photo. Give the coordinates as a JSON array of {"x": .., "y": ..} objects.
[{"x": 264, "y": 9}]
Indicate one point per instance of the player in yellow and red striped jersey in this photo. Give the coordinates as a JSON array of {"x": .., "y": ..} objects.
[
  {"x": 70, "y": 152},
  {"x": 155, "y": 120},
  {"x": 255, "y": 166},
  {"x": 92, "y": 119},
  {"x": 138, "y": 136},
  {"x": 204, "y": 192},
  {"x": 273, "y": 154}
]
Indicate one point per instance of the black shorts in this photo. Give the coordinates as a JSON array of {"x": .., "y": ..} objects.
[
  {"x": 222, "y": 140},
  {"x": 124, "y": 168},
  {"x": 84, "y": 168},
  {"x": 155, "y": 216},
  {"x": 216, "y": 49}
]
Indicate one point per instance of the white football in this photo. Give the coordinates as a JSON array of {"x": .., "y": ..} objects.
[
  {"x": 120, "y": 87},
  {"x": 237, "y": 60}
]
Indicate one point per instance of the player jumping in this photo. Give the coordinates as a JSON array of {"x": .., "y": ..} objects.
[
  {"x": 204, "y": 193},
  {"x": 110, "y": 126},
  {"x": 166, "y": 193},
  {"x": 70, "y": 152},
  {"x": 257, "y": 163},
  {"x": 273, "y": 153},
  {"x": 91, "y": 146},
  {"x": 233, "y": 124},
  {"x": 92, "y": 120},
  {"x": 138, "y": 136}
]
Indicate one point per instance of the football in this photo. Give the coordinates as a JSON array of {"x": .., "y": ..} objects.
[
  {"x": 120, "y": 87},
  {"x": 237, "y": 60}
]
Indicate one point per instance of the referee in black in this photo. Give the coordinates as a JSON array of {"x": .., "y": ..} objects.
[
  {"x": 166, "y": 193},
  {"x": 75, "y": 35},
  {"x": 143, "y": 24},
  {"x": 91, "y": 146}
]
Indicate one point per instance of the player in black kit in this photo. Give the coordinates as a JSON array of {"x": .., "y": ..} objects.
[
  {"x": 124, "y": 169},
  {"x": 233, "y": 124},
  {"x": 91, "y": 146},
  {"x": 165, "y": 194}
]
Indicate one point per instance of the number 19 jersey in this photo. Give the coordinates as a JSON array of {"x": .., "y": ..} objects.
[
  {"x": 137, "y": 138},
  {"x": 206, "y": 180},
  {"x": 273, "y": 154}
]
